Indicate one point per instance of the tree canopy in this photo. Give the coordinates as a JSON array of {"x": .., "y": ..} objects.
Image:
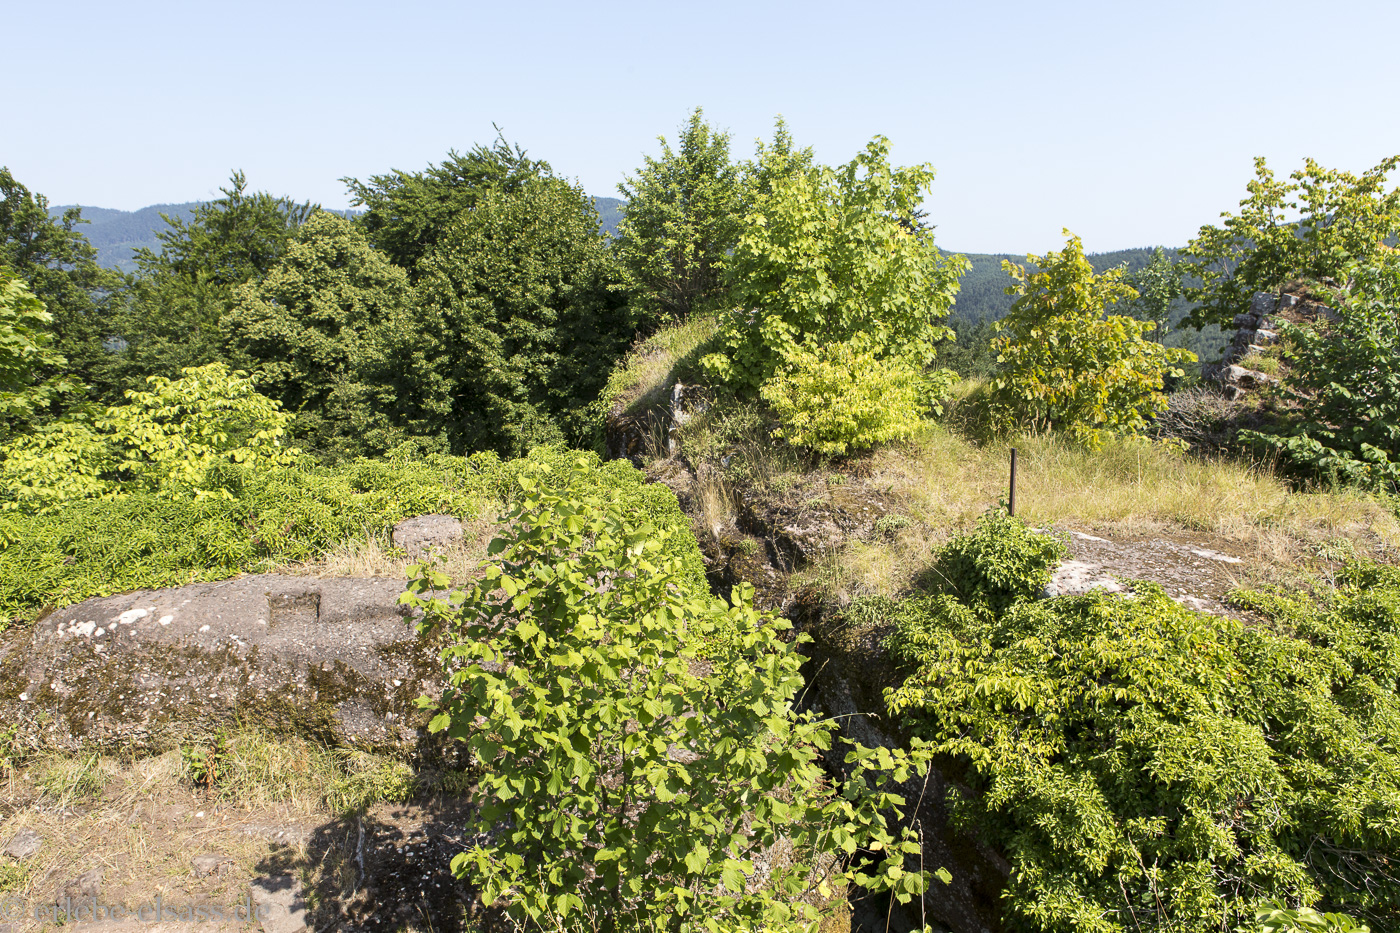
[
  {"x": 682, "y": 216},
  {"x": 1311, "y": 225},
  {"x": 313, "y": 331},
  {"x": 59, "y": 267},
  {"x": 518, "y": 318},
  {"x": 180, "y": 293},
  {"x": 408, "y": 213}
]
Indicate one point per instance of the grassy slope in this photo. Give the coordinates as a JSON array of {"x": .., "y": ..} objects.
[{"x": 941, "y": 480}]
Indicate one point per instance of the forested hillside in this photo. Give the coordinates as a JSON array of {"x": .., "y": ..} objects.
[{"x": 118, "y": 234}]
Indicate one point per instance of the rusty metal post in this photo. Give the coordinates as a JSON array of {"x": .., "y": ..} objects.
[{"x": 1011, "y": 503}]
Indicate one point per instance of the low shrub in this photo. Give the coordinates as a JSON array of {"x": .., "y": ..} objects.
[
  {"x": 1000, "y": 562},
  {"x": 839, "y": 398},
  {"x": 644, "y": 766},
  {"x": 1146, "y": 767}
]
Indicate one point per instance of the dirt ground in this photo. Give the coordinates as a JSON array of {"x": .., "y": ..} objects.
[{"x": 142, "y": 844}]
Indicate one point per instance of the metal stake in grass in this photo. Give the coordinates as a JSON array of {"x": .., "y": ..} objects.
[{"x": 1011, "y": 502}]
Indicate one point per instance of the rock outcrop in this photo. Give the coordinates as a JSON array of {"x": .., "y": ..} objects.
[
  {"x": 1255, "y": 331},
  {"x": 425, "y": 536},
  {"x": 333, "y": 658}
]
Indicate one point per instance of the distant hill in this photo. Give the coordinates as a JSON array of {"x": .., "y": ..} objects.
[
  {"x": 982, "y": 297},
  {"x": 609, "y": 214},
  {"x": 118, "y": 234}
]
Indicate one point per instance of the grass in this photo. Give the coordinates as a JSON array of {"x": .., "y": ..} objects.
[
  {"x": 280, "y": 805},
  {"x": 374, "y": 556},
  {"x": 643, "y": 380},
  {"x": 1128, "y": 489},
  {"x": 940, "y": 482}
]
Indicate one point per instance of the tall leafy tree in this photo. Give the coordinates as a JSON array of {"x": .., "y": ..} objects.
[
  {"x": 408, "y": 213},
  {"x": 1311, "y": 225},
  {"x": 519, "y": 317},
  {"x": 683, "y": 214},
  {"x": 181, "y": 292},
  {"x": 312, "y": 330},
  {"x": 59, "y": 267},
  {"x": 833, "y": 256}
]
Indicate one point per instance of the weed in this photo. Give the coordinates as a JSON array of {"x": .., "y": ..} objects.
[
  {"x": 205, "y": 762},
  {"x": 886, "y": 526},
  {"x": 365, "y": 779}
]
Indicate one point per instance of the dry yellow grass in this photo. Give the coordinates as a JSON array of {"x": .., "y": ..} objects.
[
  {"x": 1131, "y": 488},
  {"x": 276, "y": 808},
  {"x": 941, "y": 483}
]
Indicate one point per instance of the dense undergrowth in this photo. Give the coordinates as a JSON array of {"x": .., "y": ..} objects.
[
  {"x": 1144, "y": 766},
  {"x": 270, "y": 517}
]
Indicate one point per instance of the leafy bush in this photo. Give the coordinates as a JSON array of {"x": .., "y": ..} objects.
[
  {"x": 1002, "y": 561},
  {"x": 165, "y": 440},
  {"x": 629, "y": 784},
  {"x": 1065, "y": 365},
  {"x": 1306, "y": 920},
  {"x": 57, "y": 463},
  {"x": 836, "y": 398},
  {"x": 833, "y": 257},
  {"x": 1146, "y": 767},
  {"x": 1346, "y": 379}
]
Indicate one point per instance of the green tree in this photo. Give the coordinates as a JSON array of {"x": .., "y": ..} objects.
[
  {"x": 408, "y": 213},
  {"x": 773, "y": 162},
  {"x": 519, "y": 318},
  {"x": 26, "y": 353},
  {"x": 1158, "y": 286},
  {"x": 1344, "y": 218},
  {"x": 59, "y": 267},
  {"x": 1067, "y": 367},
  {"x": 640, "y": 747},
  {"x": 834, "y": 257},
  {"x": 314, "y": 329},
  {"x": 181, "y": 292},
  {"x": 682, "y": 216}
]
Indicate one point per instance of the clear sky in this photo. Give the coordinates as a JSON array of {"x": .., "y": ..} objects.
[{"x": 1130, "y": 123}]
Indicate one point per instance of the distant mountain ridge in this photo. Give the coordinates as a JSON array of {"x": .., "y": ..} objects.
[{"x": 117, "y": 235}]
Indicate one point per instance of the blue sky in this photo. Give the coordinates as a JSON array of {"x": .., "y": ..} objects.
[{"x": 1131, "y": 124}]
